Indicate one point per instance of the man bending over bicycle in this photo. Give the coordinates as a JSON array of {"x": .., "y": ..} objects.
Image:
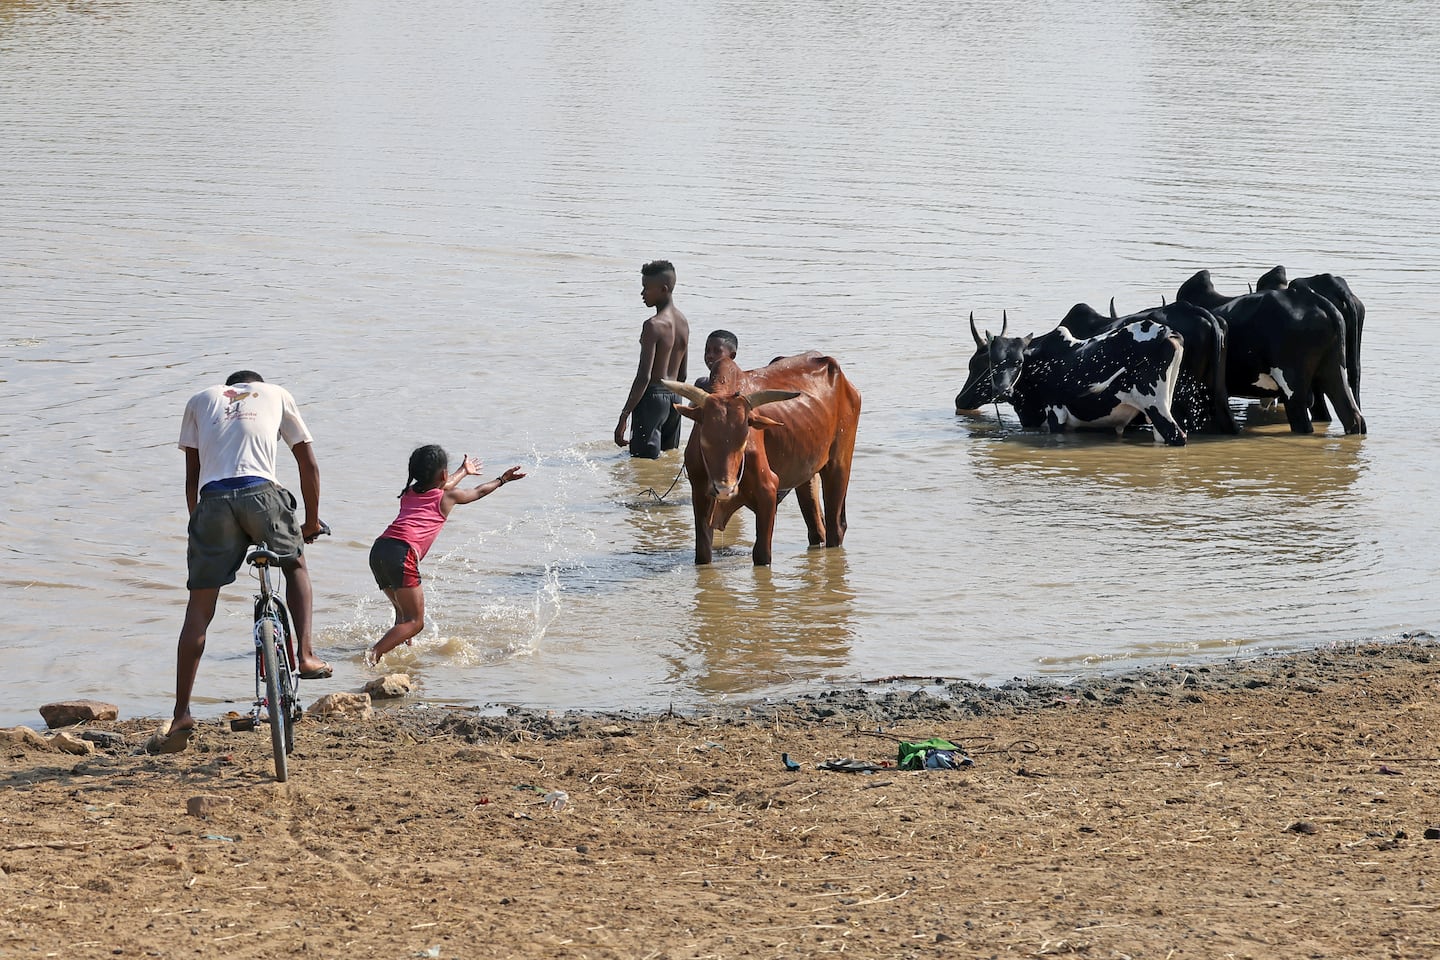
[{"x": 230, "y": 435}]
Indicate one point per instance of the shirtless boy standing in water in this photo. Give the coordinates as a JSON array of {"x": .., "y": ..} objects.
[{"x": 664, "y": 344}]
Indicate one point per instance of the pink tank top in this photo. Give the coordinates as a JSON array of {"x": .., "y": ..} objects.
[{"x": 419, "y": 521}]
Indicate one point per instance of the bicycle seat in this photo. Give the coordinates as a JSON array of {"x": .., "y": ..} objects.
[{"x": 263, "y": 556}]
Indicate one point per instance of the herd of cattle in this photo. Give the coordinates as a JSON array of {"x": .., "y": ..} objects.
[{"x": 1178, "y": 365}]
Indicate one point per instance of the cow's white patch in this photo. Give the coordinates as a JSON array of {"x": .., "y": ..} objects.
[
  {"x": 1143, "y": 331},
  {"x": 1118, "y": 417},
  {"x": 1280, "y": 383},
  {"x": 1105, "y": 384},
  {"x": 1264, "y": 382}
]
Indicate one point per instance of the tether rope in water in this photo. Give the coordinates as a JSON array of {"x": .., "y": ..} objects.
[{"x": 660, "y": 497}]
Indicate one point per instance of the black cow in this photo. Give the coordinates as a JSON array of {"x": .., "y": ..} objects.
[
  {"x": 1288, "y": 344},
  {"x": 1201, "y": 398},
  {"x": 1056, "y": 381},
  {"x": 1352, "y": 311}
]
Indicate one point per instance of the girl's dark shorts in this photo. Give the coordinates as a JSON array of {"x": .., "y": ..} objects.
[{"x": 394, "y": 564}]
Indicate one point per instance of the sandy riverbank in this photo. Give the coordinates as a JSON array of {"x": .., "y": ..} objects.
[{"x": 1263, "y": 808}]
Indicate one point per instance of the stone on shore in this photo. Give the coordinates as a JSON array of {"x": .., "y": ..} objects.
[
  {"x": 342, "y": 705},
  {"x": 389, "y": 687},
  {"x": 66, "y": 713},
  {"x": 69, "y": 743},
  {"x": 207, "y": 804},
  {"x": 25, "y": 737}
]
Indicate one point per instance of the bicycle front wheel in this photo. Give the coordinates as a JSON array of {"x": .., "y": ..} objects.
[{"x": 275, "y": 696}]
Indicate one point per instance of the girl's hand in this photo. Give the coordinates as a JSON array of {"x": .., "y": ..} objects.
[
  {"x": 471, "y": 466},
  {"x": 514, "y": 473}
]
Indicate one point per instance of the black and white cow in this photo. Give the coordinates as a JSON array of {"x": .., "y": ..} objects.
[
  {"x": 1057, "y": 381},
  {"x": 1201, "y": 399},
  {"x": 1287, "y": 344}
]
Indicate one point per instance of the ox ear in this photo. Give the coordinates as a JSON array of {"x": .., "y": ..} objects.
[
  {"x": 762, "y": 397},
  {"x": 759, "y": 421},
  {"x": 687, "y": 390},
  {"x": 692, "y": 413}
]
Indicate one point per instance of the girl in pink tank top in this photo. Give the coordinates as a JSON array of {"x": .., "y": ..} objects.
[{"x": 425, "y": 504}]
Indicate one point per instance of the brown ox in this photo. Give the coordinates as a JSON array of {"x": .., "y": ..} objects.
[{"x": 804, "y": 442}]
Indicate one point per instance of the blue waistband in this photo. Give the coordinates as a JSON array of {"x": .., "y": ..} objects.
[{"x": 232, "y": 483}]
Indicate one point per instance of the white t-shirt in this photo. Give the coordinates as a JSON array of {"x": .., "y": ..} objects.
[{"x": 237, "y": 429}]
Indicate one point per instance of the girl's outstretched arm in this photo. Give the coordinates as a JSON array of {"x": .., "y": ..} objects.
[
  {"x": 484, "y": 489},
  {"x": 469, "y": 467}
]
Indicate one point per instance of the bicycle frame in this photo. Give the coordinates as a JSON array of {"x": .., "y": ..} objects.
[{"x": 276, "y": 666}]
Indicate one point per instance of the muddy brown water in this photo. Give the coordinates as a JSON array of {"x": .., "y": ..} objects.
[{"x": 429, "y": 226}]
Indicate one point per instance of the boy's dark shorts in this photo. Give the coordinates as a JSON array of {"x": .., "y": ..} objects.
[
  {"x": 655, "y": 426},
  {"x": 227, "y": 522},
  {"x": 394, "y": 564}
]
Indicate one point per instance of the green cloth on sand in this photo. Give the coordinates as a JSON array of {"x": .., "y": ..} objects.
[{"x": 912, "y": 755}]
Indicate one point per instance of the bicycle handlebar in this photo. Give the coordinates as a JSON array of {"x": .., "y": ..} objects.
[{"x": 263, "y": 556}]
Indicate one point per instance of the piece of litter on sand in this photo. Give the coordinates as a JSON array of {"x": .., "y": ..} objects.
[
  {"x": 849, "y": 765},
  {"x": 556, "y": 799}
]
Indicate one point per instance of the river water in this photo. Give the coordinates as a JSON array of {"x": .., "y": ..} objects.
[{"x": 428, "y": 220}]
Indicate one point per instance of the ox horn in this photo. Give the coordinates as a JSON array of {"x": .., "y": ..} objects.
[
  {"x": 1004, "y": 321},
  {"x": 1112, "y": 309},
  {"x": 761, "y": 397},
  {"x": 1162, "y": 301},
  {"x": 975, "y": 333},
  {"x": 687, "y": 390}
]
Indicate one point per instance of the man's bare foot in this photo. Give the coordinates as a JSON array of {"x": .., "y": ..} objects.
[{"x": 174, "y": 738}]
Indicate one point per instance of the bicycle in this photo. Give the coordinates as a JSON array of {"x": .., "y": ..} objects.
[{"x": 277, "y": 669}]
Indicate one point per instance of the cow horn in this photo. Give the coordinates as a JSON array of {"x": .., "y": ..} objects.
[
  {"x": 975, "y": 333},
  {"x": 1249, "y": 289},
  {"x": 1162, "y": 301},
  {"x": 687, "y": 390},
  {"x": 1112, "y": 309},
  {"x": 761, "y": 397},
  {"x": 1004, "y": 321}
]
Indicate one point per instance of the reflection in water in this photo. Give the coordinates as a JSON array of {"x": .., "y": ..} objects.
[
  {"x": 1224, "y": 509},
  {"x": 665, "y": 528},
  {"x": 1266, "y": 461},
  {"x": 754, "y": 628}
]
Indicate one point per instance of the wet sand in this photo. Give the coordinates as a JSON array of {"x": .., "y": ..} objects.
[{"x": 1274, "y": 807}]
